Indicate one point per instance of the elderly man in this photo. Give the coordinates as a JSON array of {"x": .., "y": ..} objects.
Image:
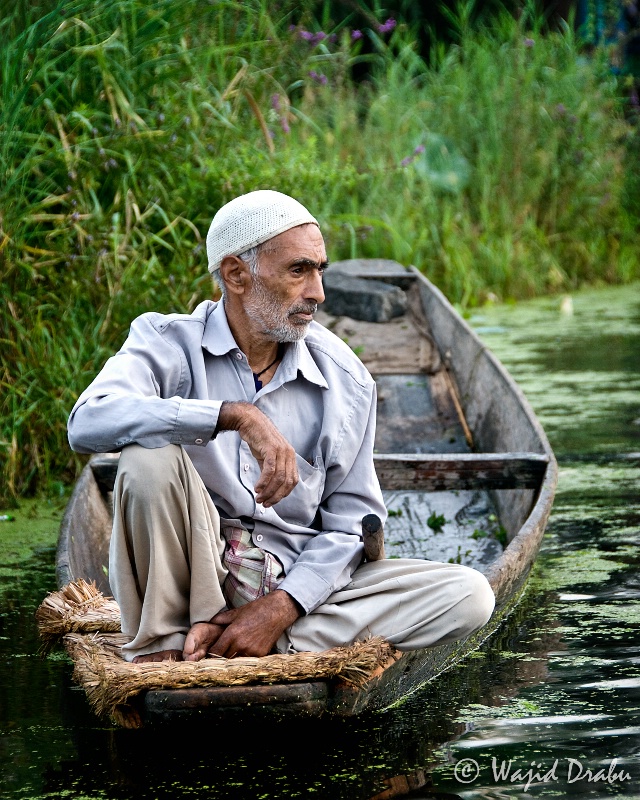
[{"x": 246, "y": 432}]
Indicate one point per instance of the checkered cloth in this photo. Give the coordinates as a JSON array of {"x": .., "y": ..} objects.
[{"x": 252, "y": 571}]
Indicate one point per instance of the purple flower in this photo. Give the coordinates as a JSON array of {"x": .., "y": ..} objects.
[
  {"x": 387, "y": 26},
  {"x": 419, "y": 149},
  {"x": 75, "y": 216},
  {"x": 275, "y": 102},
  {"x": 285, "y": 125},
  {"x": 313, "y": 38},
  {"x": 319, "y": 78},
  {"x": 529, "y": 42},
  {"x": 292, "y": 28},
  {"x": 355, "y": 35},
  {"x": 406, "y": 161}
]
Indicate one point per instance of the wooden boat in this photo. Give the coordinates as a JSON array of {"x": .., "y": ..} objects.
[{"x": 465, "y": 466}]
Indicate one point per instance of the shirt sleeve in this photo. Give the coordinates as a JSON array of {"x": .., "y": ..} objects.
[
  {"x": 351, "y": 492},
  {"x": 138, "y": 396}
]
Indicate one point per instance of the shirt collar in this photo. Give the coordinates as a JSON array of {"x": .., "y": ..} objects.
[
  {"x": 217, "y": 338},
  {"x": 303, "y": 362}
]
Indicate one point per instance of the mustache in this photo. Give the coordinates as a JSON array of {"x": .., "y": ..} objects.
[{"x": 303, "y": 309}]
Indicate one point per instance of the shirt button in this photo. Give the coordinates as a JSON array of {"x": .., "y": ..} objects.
[
  {"x": 198, "y": 441},
  {"x": 259, "y": 537},
  {"x": 239, "y": 356},
  {"x": 246, "y": 468}
]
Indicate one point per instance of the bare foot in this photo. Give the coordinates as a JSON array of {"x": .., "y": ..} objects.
[
  {"x": 200, "y": 638},
  {"x": 161, "y": 655}
]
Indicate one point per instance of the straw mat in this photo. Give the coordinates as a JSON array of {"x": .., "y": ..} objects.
[{"x": 89, "y": 624}]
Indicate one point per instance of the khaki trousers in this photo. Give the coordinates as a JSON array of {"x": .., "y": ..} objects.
[{"x": 165, "y": 570}]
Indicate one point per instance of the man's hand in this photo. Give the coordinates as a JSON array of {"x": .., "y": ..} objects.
[
  {"x": 251, "y": 630},
  {"x": 274, "y": 454}
]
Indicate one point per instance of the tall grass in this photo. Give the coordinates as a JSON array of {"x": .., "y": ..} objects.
[{"x": 496, "y": 168}]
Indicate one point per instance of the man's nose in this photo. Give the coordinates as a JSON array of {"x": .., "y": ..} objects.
[{"x": 314, "y": 290}]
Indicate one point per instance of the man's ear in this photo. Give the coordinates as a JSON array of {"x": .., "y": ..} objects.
[{"x": 235, "y": 274}]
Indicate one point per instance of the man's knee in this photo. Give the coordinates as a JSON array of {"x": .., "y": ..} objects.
[
  {"x": 144, "y": 471},
  {"x": 478, "y": 603}
]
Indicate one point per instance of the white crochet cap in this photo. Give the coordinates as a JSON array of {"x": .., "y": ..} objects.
[{"x": 251, "y": 219}]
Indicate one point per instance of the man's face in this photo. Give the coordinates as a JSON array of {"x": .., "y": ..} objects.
[{"x": 288, "y": 287}]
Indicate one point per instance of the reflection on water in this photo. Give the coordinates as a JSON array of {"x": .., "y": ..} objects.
[{"x": 560, "y": 687}]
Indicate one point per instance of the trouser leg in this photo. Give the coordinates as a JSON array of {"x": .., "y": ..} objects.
[
  {"x": 411, "y": 603},
  {"x": 165, "y": 559}
]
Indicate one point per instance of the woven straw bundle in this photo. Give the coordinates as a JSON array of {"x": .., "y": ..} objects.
[
  {"x": 78, "y": 606},
  {"x": 90, "y": 625}
]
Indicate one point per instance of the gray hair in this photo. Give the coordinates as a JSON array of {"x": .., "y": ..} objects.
[{"x": 250, "y": 257}]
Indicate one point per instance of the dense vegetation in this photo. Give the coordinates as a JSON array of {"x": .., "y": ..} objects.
[{"x": 497, "y": 168}]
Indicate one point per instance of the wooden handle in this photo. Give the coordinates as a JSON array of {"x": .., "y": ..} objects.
[{"x": 373, "y": 537}]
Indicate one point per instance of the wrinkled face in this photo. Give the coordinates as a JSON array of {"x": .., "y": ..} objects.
[{"x": 286, "y": 291}]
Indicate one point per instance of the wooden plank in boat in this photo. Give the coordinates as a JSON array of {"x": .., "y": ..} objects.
[
  {"x": 380, "y": 269},
  {"x": 416, "y": 415},
  {"x": 389, "y": 348},
  {"x": 440, "y": 471},
  {"x": 307, "y": 697},
  {"x": 461, "y": 470}
]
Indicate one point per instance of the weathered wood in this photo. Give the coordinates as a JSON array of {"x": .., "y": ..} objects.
[
  {"x": 447, "y": 471},
  {"x": 104, "y": 468},
  {"x": 373, "y": 538},
  {"x": 308, "y": 696},
  {"x": 379, "y": 269},
  {"x": 83, "y": 542}
]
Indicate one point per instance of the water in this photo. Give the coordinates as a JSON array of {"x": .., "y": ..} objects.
[{"x": 563, "y": 682}]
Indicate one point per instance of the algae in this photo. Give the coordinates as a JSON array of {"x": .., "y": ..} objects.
[
  {"x": 35, "y": 529},
  {"x": 578, "y": 568}
]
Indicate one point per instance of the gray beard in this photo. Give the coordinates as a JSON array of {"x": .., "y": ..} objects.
[{"x": 274, "y": 322}]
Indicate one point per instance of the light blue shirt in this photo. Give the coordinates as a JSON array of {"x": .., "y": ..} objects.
[{"x": 166, "y": 386}]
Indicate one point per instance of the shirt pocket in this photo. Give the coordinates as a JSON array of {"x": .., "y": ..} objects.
[{"x": 301, "y": 505}]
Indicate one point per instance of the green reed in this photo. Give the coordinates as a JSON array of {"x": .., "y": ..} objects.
[{"x": 497, "y": 168}]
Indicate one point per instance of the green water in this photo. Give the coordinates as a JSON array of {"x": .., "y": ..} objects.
[{"x": 563, "y": 682}]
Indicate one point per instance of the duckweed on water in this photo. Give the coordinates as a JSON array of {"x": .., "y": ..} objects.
[
  {"x": 35, "y": 528},
  {"x": 578, "y": 568}
]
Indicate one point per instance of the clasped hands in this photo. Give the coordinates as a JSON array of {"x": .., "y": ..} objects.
[{"x": 251, "y": 630}]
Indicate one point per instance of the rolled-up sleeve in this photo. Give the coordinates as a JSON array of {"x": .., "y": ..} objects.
[
  {"x": 139, "y": 396},
  {"x": 351, "y": 492}
]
